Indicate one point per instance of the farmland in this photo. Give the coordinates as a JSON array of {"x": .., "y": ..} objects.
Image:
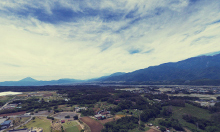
[
  {"x": 94, "y": 125},
  {"x": 178, "y": 112}
]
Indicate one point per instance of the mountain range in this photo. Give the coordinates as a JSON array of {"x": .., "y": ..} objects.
[
  {"x": 200, "y": 68},
  {"x": 32, "y": 82}
]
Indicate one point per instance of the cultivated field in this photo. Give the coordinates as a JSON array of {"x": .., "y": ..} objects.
[
  {"x": 189, "y": 109},
  {"x": 94, "y": 125}
]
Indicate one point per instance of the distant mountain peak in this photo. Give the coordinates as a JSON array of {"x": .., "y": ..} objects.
[{"x": 28, "y": 79}]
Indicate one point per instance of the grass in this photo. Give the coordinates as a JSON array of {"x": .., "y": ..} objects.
[
  {"x": 72, "y": 129},
  {"x": 135, "y": 113},
  {"x": 18, "y": 121},
  {"x": 39, "y": 123},
  {"x": 201, "y": 96},
  {"x": 190, "y": 109},
  {"x": 71, "y": 126},
  {"x": 6, "y": 98}
]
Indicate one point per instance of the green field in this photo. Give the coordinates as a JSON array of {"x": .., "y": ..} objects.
[
  {"x": 39, "y": 123},
  {"x": 72, "y": 129},
  {"x": 189, "y": 109},
  {"x": 71, "y": 126}
]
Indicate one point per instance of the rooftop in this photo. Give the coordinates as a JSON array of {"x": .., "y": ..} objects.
[{"x": 6, "y": 122}]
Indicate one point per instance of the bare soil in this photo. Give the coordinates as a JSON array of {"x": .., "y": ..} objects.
[
  {"x": 94, "y": 125},
  {"x": 11, "y": 114}
]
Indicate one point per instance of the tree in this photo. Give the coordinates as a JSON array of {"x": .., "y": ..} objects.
[
  {"x": 62, "y": 129},
  {"x": 25, "y": 126},
  {"x": 75, "y": 117},
  {"x": 13, "y": 124},
  {"x": 163, "y": 129},
  {"x": 216, "y": 117},
  {"x": 67, "y": 116},
  {"x": 212, "y": 129}
]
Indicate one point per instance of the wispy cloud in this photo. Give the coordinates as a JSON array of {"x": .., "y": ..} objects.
[{"x": 51, "y": 39}]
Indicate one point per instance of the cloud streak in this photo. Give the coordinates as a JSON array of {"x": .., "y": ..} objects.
[{"x": 82, "y": 39}]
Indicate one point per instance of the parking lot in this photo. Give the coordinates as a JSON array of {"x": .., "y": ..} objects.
[{"x": 62, "y": 115}]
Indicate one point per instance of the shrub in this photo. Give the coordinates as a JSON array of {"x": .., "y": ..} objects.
[{"x": 67, "y": 116}]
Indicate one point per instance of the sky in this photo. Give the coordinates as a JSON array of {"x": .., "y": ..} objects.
[{"x": 83, "y": 39}]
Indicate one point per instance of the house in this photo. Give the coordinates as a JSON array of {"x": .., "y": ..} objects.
[
  {"x": 100, "y": 116},
  {"x": 78, "y": 109},
  {"x": 2, "y": 120},
  {"x": 105, "y": 113},
  {"x": 6, "y": 124},
  {"x": 27, "y": 114}
]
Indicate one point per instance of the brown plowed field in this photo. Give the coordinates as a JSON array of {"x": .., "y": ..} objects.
[
  {"x": 11, "y": 114},
  {"x": 94, "y": 125}
]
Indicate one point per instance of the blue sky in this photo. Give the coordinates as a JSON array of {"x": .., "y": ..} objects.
[{"x": 82, "y": 39}]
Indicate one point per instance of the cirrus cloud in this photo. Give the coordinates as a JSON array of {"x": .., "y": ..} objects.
[{"x": 82, "y": 39}]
